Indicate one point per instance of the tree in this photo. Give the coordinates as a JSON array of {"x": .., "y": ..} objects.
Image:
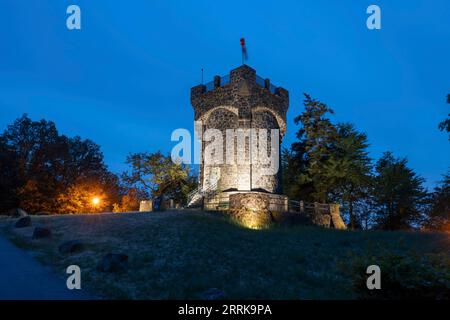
[
  {"x": 445, "y": 124},
  {"x": 40, "y": 165},
  {"x": 364, "y": 209},
  {"x": 130, "y": 201},
  {"x": 348, "y": 169},
  {"x": 160, "y": 176},
  {"x": 8, "y": 177},
  {"x": 295, "y": 182},
  {"x": 305, "y": 173},
  {"x": 79, "y": 198},
  {"x": 439, "y": 216},
  {"x": 398, "y": 193},
  {"x": 36, "y": 147},
  {"x": 328, "y": 162}
]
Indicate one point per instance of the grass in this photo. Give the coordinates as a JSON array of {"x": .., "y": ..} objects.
[{"x": 179, "y": 255}]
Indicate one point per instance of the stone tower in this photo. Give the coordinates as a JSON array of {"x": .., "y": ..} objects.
[{"x": 240, "y": 100}]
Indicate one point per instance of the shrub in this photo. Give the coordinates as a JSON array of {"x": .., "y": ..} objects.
[
  {"x": 291, "y": 218},
  {"x": 404, "y": 276}
]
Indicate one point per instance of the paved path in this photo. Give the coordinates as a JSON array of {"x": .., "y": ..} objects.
[{"x": 23, "y": 278}]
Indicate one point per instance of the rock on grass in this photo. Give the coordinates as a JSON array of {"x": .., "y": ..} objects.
[
  {"x": 23, "y": 222},
  {"x": 40, "y": 233},
  {"x": 113, "y": 262},
  {"x": 71, "y": 246},
  {"x": 18, "y": 213}
]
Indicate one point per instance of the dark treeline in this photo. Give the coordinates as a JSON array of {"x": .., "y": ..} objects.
[
  {"x": 330, "y": 163},
  {"x": 42, "y": 171}
]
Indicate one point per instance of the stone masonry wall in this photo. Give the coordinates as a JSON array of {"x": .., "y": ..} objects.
[{"x": 241, "y": 103}]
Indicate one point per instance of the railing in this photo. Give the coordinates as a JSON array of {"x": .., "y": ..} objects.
[
  {"x": 208, "y": 191},
  {"x": 191, "y": 195},
  {"x": 262, "y": 83},
  {"x": 308, "y": 207},
  {"x": 223, "y": 81}
]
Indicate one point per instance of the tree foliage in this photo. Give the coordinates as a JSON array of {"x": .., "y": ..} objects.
[
  {"x": 330, "y": 163},
  {"x": 439, "y": 216},
  {"x": 78, "y": 198},
  {"x": 305, "y": 173},
  {"x": 445, "y": 124},
  {"x": 160, "y": 176},
  {"x": 349, "y": 171},
  {"x": 130, "y": 201},
  {"x": 327, "y": 162},
  {"x": 39, "y": 166},
  {"x": 398, "y": 193}
]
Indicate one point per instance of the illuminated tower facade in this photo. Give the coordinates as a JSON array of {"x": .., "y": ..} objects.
[{"x": 240, "y": 100}]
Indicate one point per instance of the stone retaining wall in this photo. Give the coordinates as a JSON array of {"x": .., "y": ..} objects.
[{"x": 248, "y": 199}]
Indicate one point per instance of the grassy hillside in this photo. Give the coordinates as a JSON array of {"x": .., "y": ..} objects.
[{"x": 179, "y": 255}]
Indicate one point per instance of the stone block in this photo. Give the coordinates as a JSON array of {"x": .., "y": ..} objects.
[{"x": 146, "y": 206}]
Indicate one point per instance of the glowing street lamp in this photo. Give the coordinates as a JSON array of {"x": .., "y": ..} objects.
[{"x": 95, "y": 201}]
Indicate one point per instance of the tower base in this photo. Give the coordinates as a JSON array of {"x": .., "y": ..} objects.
[{"x": 253, "y": 200}]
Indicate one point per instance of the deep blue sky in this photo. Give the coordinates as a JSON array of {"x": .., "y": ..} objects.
[{"x": 124, "y": 79}]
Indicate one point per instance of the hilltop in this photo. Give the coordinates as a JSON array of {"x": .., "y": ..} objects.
[{"x": 182, "y": 254}]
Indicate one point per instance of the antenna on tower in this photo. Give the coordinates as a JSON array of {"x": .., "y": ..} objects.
[
  {"x": 244, "y": 51},
  {"x": 202, "y": 75}
]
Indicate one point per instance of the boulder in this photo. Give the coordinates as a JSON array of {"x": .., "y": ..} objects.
[
  {"x": 18, "y": 213},
  {"x": 146, "y": 206},
  {"x": 212, "y": 294},
  {"x": 336, "y": 218},
  {"x": 21, "y": 213},
  {"x": 43, "y": 213},
  {"x": 322, "y": 220},
  {"x": 113, "y": 262},
  {"x": 71, "y": 246},
  {"x": 23, "y": 222},
  {"x": 40, "y": 233}
]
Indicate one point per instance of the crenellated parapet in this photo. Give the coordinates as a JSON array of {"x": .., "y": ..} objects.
[{"x": 244, "y": 91}]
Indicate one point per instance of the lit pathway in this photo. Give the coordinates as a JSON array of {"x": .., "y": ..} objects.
[{"x": 22, "y": 277}]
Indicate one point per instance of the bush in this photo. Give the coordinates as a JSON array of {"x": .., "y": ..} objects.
[
  {"x": 291, "y": 218},
  {"x": 404, "y": 276}
]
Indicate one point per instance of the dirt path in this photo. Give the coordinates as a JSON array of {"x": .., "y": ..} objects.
[{"x": 23, "y": 278}]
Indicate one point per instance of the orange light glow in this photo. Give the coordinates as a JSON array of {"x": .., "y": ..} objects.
[{"x": 95, "y": 201}]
